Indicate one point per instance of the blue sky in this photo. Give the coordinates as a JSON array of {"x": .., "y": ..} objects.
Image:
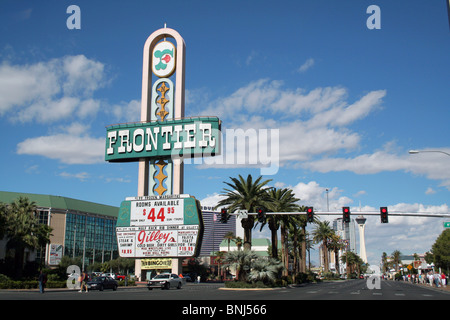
[{"x": 348, "y": 102}]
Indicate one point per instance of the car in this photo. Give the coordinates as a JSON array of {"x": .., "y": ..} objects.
[
  {"x": 102, "y": 282},
  {"x": 120, "y": 277},
  {"x": 111, "y": 275},
  {"x": 165, "y": 281}
]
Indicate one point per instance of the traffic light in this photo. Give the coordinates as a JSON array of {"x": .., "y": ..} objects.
[
  {"x": 310, "y": 214},
  {"x": 261, "y": 215},
  {"x": 346, "y": 214},
  {"x": 224, "y": 216},
  {"x": 384, "y": 215}
]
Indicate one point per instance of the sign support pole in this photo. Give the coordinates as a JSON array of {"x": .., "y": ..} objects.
[{"x": 144, "y": 164}]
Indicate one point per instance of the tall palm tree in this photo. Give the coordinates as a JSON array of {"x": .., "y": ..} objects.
[
  {"x": 238, "y": 241},
  {"x": 353, "y": 261},
  {"x": 245, "y": 195},
  {"x": 321, "y": 234},
  {"x": 384, "y": 262},
  {"x": 24, "y": 231},
  {"x": 396, "y": 259},
  {"x": 282, "y": 200},
  {"x": 229, "y": 236},
  {"x": 336, "y": 245}
]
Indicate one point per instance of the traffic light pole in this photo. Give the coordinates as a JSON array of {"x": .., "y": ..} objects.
[{"x": 365, "y": 213}]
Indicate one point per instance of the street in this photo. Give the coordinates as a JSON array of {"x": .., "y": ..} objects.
[{"x": 336, "y": 290}]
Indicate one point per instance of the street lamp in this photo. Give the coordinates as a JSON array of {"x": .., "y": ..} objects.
[{"x": 420, "y": 151}]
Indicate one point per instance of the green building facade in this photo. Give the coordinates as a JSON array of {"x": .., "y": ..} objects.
[{"x": 80, "y": 228}]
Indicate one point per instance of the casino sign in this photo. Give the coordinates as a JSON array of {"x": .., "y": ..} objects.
[{"x": 159, "y": 226}]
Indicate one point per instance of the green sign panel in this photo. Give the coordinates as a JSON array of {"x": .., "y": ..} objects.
[
  {"x": 189, "y": 137},
  {"x": 447, "y": 224}
]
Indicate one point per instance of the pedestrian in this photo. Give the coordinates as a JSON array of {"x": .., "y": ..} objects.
[
  {"x": 42, "y": 281},
  {"x": 443, "y": 280},
  {"x": 84, "y": 279},
  {"x": 436, "y": 279}
]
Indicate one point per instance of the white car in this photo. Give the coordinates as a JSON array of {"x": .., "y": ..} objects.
[{"x": 165, "y": 281}]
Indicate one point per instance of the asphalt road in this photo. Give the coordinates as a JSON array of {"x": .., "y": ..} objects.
[{"x": 336, "y": 290}]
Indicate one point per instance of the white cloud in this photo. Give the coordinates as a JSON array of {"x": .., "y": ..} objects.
[
  {"x": 82, "y": 75},
  {"x": 308, "y": 64},
  {"x": 82, "y": 176},
  {"x": 51, "y": 91},
  {"x": 73, "y": 146},
  {"x": 433, "y": 166},
  {"x": 310, "y": 123},
  {"x": 126, "y": 111}
]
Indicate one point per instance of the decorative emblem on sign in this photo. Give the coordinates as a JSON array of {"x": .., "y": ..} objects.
[
  {"x": 163, "y": 59},
  {"x": 160, "y": 177},
  {"x": 162, "y": 101}
]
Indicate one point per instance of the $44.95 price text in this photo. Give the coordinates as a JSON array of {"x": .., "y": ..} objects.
[{"x": 161, "y": 215}]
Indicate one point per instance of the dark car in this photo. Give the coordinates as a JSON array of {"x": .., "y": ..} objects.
[{"x": 101, "y": 283}]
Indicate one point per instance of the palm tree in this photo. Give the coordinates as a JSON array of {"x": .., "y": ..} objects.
[
  {"x": 282, "y": 200},
  {"x": 265, "y": 270},
  {"x": 219, "y": 259},
  {"x": 24, "y": 231},
  {"x": 322, "y": 234},
  {"x": 353, "y": 261},
  {"x": 396, "y": 259},
  {"x": 301, "y": 222},
  {"x": 238, "y": 241},
  {"x": 384, "y": 262},
  {"x": 240, "y": 261},
  {"x": 336, "y": 245},
  {"x": 245, "y": 195},
  {"x": 229, "y": 236}
]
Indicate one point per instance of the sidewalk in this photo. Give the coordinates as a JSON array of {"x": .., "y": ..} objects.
[{"x": 446, "y": 288}]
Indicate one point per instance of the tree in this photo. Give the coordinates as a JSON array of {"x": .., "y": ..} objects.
[
  {"x": 441, "y": 250},
  {"x": 282, "y": 200},
  {"x": 238, "y": 241},
  {"x": 321, "y": 234},
  {"x": 229, "y": 236},
  {"x": 265, "y": 270},
  {"x": 241, "y": 261},
  {"x": 245, "y": 195},
  {"x": 24, "y": 231},
  {"x": 353, "y": 261},
  {"x": 396, "y": 259},
  {"x": 219, "y": 259},
  {"x": 385, "y": 263},
  {"x": 336, "y": 245}
]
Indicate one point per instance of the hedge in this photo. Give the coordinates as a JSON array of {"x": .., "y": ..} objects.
[{"x": 30, "y": 284}]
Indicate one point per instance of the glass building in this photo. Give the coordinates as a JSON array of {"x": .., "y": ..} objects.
[{"x": 80, "y": 228}]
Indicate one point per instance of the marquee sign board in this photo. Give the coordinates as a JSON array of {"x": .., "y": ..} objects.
[
  {"x": 196, "y": 136},
  {"x": 159, "y": 226}
]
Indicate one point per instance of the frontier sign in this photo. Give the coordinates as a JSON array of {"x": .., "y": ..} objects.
[
  {"x": 196, "y": 136},
  {"x": 162, "y": 221}
]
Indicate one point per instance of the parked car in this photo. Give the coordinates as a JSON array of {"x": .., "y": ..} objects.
[
  {"x": 165, "y": 281},
  {"x": 111, "y": 275},
  {"x": 101, "y": 283},
  {"x": 120, "y": 277}
]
